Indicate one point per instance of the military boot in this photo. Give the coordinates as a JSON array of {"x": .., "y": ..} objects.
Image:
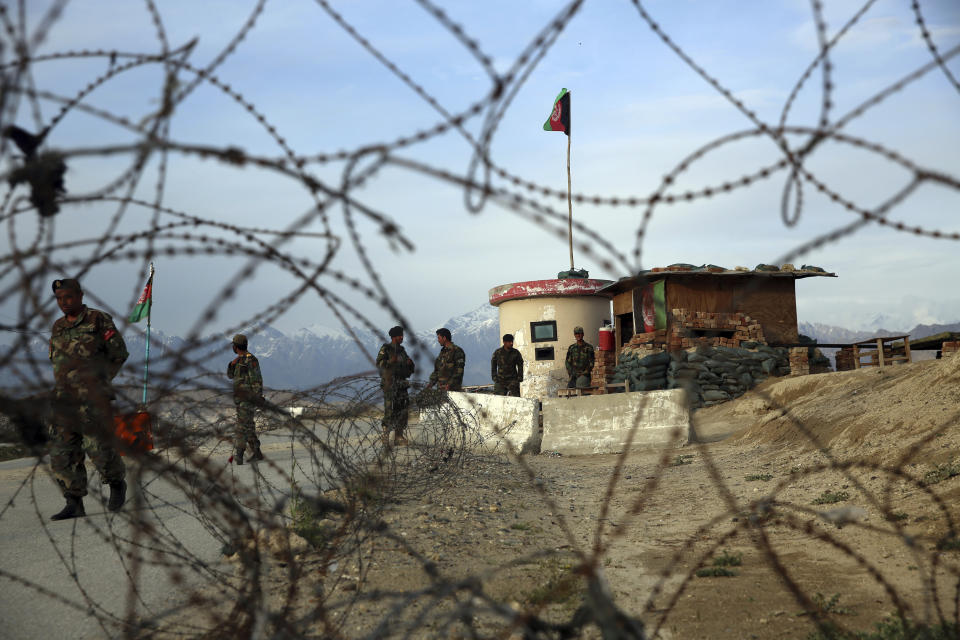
[
  {"x": 238, "y": 457},
  {"x": 118, "y": 495},
  {"x": 74, "y": 509},
  {"x": 257, "y": 454}
]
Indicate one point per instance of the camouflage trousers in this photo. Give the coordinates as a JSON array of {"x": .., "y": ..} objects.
[
  {"x": 507, "y": 387},
  {"x": 396, "y": 411},
  {"x": 72, "y": 420},
  {"x": 246, "y": 431}
]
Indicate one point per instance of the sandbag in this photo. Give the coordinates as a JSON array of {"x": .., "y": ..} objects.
[
  {"x": 715, "y": 395},
  {"x": 657, "y": 358}
]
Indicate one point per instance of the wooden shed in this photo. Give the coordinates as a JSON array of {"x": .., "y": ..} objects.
[{"x": 675, "y": 307}]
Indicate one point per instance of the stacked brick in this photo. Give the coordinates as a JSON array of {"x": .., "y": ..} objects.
[
  {"x": 845, "y": 359},
  {"x": 603, "y": 369},
  {"x": 742, "y": 328},
  {"x": 687, "y": 323},
  {"x": 949, "y": 348},
  {"x": 799, "y": 361}
]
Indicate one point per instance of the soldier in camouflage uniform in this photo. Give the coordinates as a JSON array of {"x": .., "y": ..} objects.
[
  {"x": 579, "y": 361},
  {"x": 395, "y": 367},
  {"x": 86, "y": 351},
  {"x": 448, "y": 367},
  {"x": 506, "y": 369},
  {"x": 244, "y": 370}
]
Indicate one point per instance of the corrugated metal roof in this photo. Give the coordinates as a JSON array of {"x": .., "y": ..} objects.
[{"x": 764, "y": 271}]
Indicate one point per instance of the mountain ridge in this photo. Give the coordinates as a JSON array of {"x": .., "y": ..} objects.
[{"x": 317, "y": 354}]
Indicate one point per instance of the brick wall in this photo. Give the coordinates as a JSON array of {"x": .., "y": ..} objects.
[
  {"x": 799, "y": 361},
  {"x": 845, "y": 359},
  {"x": 949, "y": 348},
  {"x": 602, "y": 368},
  {"x": 686, "y": 323}
]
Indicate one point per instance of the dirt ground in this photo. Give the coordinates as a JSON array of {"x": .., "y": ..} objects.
[{"x": 877, "y": 447}]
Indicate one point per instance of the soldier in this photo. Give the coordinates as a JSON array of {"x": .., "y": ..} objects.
[
  {"x": 579, "y": 362},
  {"x": 395, "y": 367},
  {"x": 506, "y": 369},
  {"x": 448, "y": 367},
  {"x": 86, "y": 351},
  {"x": 244, "y": 370}
]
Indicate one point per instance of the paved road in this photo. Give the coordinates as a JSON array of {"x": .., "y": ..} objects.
[{"x": 70, "y": 579}]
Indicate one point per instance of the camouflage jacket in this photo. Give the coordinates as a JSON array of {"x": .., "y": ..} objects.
[
  {"x": 580, "y": 359},
  {"x": 395, "y": 366},
  {"x": 448, "y": 367},
  {"x": 86, "y": 354},
  {"x": 244, "y": 370},
  {"x": 506, "y": 365}
]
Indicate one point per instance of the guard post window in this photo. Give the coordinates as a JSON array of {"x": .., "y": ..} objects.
[{"x": 545, "y": 331}]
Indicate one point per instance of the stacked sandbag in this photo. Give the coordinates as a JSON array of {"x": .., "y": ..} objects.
[
  {"x": 642, "y": 372},
  {"x": 716, "y": 374}
]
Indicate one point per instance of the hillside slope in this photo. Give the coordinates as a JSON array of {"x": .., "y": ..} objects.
[{"x": 901, "y": 414}]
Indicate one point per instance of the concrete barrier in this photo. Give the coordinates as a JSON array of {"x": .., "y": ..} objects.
[
  {"x": 602, "y": 423},
  {"x": 490, "y": 421}
]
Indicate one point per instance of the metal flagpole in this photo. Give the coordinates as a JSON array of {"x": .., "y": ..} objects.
[
  {"x": 569, "y": 205},
  {"x": 146, "y": 360}
]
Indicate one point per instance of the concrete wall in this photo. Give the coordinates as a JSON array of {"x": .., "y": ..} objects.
[
  {"x": 602, "y": 424},
  {"x": 541, "y": 379},
  {"x": 489, "y": 421}
]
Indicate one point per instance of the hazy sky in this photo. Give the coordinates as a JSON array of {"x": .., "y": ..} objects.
[{"x": 638, "y": 111}]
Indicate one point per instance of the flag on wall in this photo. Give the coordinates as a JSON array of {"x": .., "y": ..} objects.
[
  {"x": 654, "y": 307},
  {"x": 559, "y": 119},
  {"x": 142, "y": 310}
]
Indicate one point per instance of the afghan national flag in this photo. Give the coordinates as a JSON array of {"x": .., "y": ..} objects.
[
  {"x": 654, "y": 307},
  {"x": 142, "y": 310},
  {"x": 559, "y": 119}
]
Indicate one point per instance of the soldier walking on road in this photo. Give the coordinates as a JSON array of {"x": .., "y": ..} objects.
[
  {"x": 506, "y": 369},
  {"x": 395, "y": 367},
  {"x": 448, "y": 367},
  {"x": 86, "y": 351},
  {"x": 244, "y": 370},
  {"x": 579, "y": 361}
]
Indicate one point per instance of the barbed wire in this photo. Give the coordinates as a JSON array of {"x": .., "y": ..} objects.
[{"x": 297, "y": 536}]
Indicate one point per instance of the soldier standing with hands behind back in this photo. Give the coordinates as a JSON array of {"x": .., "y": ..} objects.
[
  {"x": 579, "y": 361},
  {"x": 395, "y": 367},
  {"x": 86, "y": 351},
  {"x": 506, "y": 369},
  {"x": 244, "y": 370}
]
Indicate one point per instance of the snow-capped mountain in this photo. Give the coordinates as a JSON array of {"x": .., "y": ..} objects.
[
  {"x": 306, "y": 358},
  {"x": 317, "y": 354},
  {"x": 830, "y": 334}
]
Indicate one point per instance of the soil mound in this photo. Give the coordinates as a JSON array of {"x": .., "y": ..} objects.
[{"x": 893, "y": 414}]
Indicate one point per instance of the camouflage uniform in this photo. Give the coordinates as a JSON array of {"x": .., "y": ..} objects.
[
  {"x": 86, "y": 355},
  {"x": 448, "y": 367},
  {"x": 579, "y": 362},
  {"x": 506, "y": 370},
  {"x": 395, "y": 367},
  {"x": 244, "y": 370}
]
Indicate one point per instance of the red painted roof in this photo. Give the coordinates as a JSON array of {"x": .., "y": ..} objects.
[{"x": 547, "y": 289}]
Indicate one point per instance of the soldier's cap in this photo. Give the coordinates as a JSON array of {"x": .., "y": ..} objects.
[
  {"x": 395, "y": 331},
  {"x": 240, "y": 340},
  {"x": 577, "y": 330},
  {"x": 66, "y": 283},
  {"x": 508, "y": 338}
]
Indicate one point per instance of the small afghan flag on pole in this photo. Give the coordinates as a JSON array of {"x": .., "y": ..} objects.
[
  {"x": 559, "y": 119},
  {"x": 142, "y": 310}
]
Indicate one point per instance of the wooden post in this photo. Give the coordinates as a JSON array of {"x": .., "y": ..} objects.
[
  {"x": 856, "y": 356},
  {"x": 906, "y": 348},
  {"x": 880, "y": 352}
]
